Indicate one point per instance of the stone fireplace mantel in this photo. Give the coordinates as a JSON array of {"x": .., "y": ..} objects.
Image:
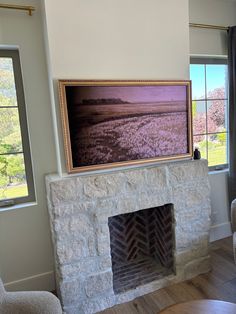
[{"x": 79, "y": 208}]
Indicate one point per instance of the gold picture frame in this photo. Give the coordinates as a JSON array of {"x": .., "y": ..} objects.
[{"x": 115, "y": 123}]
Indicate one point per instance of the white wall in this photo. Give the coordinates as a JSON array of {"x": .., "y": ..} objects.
[
  {"x": 25, "y": 243},
  {"x": 220, "y": 222},
  {"x": 110, "y": 39},
  {"x": 216, "y": 12},
  {"x": 214, "y": 43}
]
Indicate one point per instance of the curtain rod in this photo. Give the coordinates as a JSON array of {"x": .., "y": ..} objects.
[
  {"x": 27, "y": 8},
  {"x": 222, "y": 28}
]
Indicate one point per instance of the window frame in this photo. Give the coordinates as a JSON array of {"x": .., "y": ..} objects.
[
  {"x": 221, "y": 60},
  {"x": 14, "y": 55}
]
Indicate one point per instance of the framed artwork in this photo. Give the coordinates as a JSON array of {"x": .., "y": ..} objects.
[{"x": 119, "y": 123}]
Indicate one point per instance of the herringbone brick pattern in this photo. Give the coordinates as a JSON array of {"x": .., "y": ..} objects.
[{"x": 141, "y": 238}]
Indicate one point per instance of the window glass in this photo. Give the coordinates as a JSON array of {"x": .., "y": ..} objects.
[
  {"x": 199, "y": 116},
  {"x": 216, "y": 112},
  {"x": 217, "y": 149},
  {"x": 10, "y": 133},
  {"x": 210, "y": 109},
  {"x": 197, "y": 74},
  {"x": 216, "y": 81},
  {"x": 16, "y": 178},
  {"x": 7, "y": 83},
  {"x": 200, "y": 141}
]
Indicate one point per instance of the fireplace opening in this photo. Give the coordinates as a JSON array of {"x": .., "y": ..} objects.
[{"x": 141, "y": 247}]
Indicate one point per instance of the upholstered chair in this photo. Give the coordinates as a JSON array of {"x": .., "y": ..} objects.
[
  {"x": 233, "y": 226},
  {"x": 28, "y": 302}
]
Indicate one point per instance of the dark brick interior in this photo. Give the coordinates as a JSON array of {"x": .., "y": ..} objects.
[{"x": 141, "y": 246}]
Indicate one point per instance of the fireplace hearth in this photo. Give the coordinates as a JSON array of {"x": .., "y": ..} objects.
[{"x": 97, "y": 265}]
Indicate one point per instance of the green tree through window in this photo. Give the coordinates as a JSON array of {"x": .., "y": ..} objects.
[
  {"x": 210, "y": 109},
  {"x": 16, "y": 181}
]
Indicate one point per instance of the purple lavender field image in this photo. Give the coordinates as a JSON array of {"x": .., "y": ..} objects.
[{"x": 110, "y": 124}]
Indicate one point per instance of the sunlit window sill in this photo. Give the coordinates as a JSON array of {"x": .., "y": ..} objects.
[
  {"x": 214, "y": 171},
  {"x": 17, "y": 206}
]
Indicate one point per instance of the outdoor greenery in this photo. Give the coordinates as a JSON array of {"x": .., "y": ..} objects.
[
  {"x": 12, "y": 169},
  {"x": 216, "y": 152},
  {"x": 15, "y": 191},
  {"x": 209, "y": 128}
]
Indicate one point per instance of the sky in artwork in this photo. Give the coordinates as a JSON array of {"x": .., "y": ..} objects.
[{"x": 132, "y": 94}]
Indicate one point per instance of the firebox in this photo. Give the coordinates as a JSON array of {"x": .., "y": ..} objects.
[{"x": 141, "y": 246}]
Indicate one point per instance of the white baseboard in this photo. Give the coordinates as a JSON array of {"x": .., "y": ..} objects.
[
  {"x": 40, "y": 282},
  {"x": 220, "y": 231}
]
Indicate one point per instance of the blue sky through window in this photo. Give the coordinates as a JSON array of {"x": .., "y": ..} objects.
[{"x": 216, "y": 77}]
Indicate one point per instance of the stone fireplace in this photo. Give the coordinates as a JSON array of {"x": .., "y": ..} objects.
[{"x": 123, "y": 234}]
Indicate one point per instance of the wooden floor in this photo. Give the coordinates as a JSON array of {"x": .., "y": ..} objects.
[{"x": 219, "y": 284}]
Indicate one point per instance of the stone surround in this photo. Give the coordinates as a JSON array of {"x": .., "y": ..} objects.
[{"x": 79, "y": 207}]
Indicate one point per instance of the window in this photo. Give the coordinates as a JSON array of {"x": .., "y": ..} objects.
[
  {"x": 210, "y": 109},
  {"x": 16, "y": 179}
]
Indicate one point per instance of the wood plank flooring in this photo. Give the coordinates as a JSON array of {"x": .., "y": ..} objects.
[{"x": 219, "y": 284}]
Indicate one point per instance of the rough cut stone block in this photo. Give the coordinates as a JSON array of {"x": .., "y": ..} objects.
[
  {"x": 71, "y": 291},
  {"x": 63, "y": 209},
  {"x": 182, "y": 172},
  {"x": 103, "y": 186},
  {"x": 157, "y": 177},
  {"x": 91, "y": 245},
  {"x": 196, "y": 267},
  {"x": 134, "y": 180},
  {"x": 192, "y": 213},
  {"x": 103, "y": 246},
  {"x": 86, "y": 266},
  {"x": 188, "y": 197},
  {"x": 159, "y": 198},
  {"x": 102, "y": 230},
  {"x": 66, "y": 190},
  {"x": 179, "y": 198},
  {"x": 98, "y": 284},
  {"x": 105, "y": 263},
  {"x": 105, "y": 205},
  {"x": 127, "y": 204},
  {"x": 193, "y": 226},
  {"x": 195, "y": 196},
  {"x": 73, "y": 269},
  {"x": 74, "y": 309},
  {"x": 187, "y": 241},
  {"x": 181, "y": 218},
  {"x": 183, "y": 257},
  {"x": 103, "y": 239},
  {"x": 72, "y": 208},
  {"x": 142, "y": 200},
  {"x": 81, "y": 224},
  {"x": 75, "y": 249},
  {"x": 97, "y": 304}
]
